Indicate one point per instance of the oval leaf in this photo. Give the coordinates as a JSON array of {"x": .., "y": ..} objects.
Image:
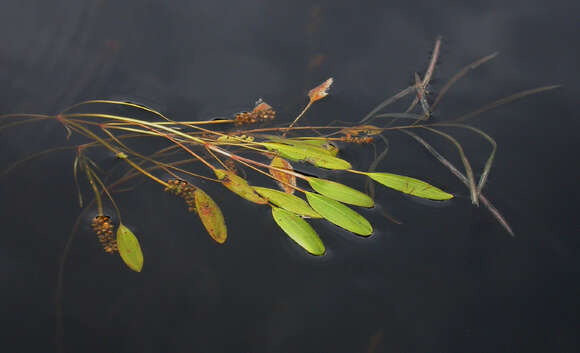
[
  {"x": 283, "y": 178},
  {"x": 299, "y": 231},
  {"x": 339, "y": 214},
  {"x": 286, "y": 151},
  {"x": 315, "y": 145},
  {"x": 329, "y": 162},
  {"x": 211, "y": 216},
  {"x": 410, "y": 186},
  {"x": 129, "y": 248},
  {"x": 308, "y": 153},
  {"x": 323, "y": 144},
  {"x": 340, "y": 192},
  {"x": 238, "y": 185},
  {"x": 288, "y": 202}
]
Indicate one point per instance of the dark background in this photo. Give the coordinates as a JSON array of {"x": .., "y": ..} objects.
[{"x": 449, "y": 279}]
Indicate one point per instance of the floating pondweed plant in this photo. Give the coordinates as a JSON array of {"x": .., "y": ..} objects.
[{"x": 221, "y": 151}]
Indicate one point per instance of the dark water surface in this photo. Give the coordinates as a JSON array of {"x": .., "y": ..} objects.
[{"x": 449, "y": 279}]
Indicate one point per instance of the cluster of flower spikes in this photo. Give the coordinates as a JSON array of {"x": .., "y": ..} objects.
[
  {"x": 262, "y": 112},
  {"x": 184, "y": 190},
  {"x": 103, "y": 226}
]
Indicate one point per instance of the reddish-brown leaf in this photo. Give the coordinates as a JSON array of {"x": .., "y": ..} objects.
[{"x": 283, "y": 178}]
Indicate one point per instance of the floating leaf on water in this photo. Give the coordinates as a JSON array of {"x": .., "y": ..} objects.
[
  {"x": 320, "y": 91},
  {"x": 340, "y": 192},
  {"x": 286, "y": 151},
  {"x": 238, "y": 185},
  {"x": 324, "y": 144},
  {"x": 328, "y": 162},
  {"x": 309, "y": 154},
  {"x": 320, "y": 145},
  {"x": 129, "y": 248},
  {"x": 211, "y": 216},
  {"x": 298, "y": 230},
  {"x": 339, "y": 214},
  {"x": 410, "y": 186},
  {"x": 288, "y": 202},
  {"x": 283, "y": 178}
]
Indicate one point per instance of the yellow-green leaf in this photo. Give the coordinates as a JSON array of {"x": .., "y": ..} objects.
[
  {"x": 284, "y": 179},
  {"x": 327, "y": 161},
  {"x": 286, "y": 151},
  {"x": 340, "y": 192},
  {"x": 316, "y": 145},
  {"x": 238, "y": 185},
  {"x": 298, "y": 230},
  {"x": 129, "y": 248},
  {"x": 211, "y": 216},
  {"x": 339, "y": 214},
  {"x": 324, "y": 144},
  {"x": 410, "y": 186},
  {"x": 288, "y": 202},
  {"x": 310, "y": 154}
]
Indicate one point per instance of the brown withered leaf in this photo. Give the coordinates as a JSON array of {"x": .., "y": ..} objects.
[
  {"x": 320, "y": 91},
  {"x": 283, "y": 178}
]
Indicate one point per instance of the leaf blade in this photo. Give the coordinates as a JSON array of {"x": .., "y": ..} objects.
[
  {"x": 410, "y": 186},
  {"x": 308, "y": 153},
  {"x": 211, "y": 216},
  {"x": 339, "y": 214},
  {"x": 288, "y": 202},
  {"x": 238, "y": 185},
  {"x": 284, "y": 179},
  {"x": 340, "y": 192},
  {"x": 129, "y": 248},
  {"x": 299, "y": 231}
]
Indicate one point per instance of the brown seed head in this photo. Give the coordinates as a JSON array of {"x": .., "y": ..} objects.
[{"x": 103, "y": 227}]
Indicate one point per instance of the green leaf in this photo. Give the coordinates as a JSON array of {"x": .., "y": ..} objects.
[
  {"x": 289, "y": 152},
  {"x": 340, "y": 192},
  {"x": 323, "y": 144},
  {"x": 328, "y": 162},
  {"x": 316, "y": 145},
  {"x": 410, "y": 186},
  {"x": 310, "y": 154},
  {"x": 339, "y": 214},
  {"x": 298, "y": 230},
  {"x": 129, "y": 248},
  {"x": 238, "y": 185},
  {"x": 211, "y": 216},
  {"x": 288, "y": 202}
]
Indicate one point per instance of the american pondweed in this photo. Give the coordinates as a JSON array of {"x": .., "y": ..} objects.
[{"x": 223, "y": 150}]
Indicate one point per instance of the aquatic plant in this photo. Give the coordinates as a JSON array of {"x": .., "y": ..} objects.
[{"x": 221, "y": 150}]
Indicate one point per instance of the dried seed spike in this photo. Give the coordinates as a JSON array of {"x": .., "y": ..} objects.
[
  {"x": 261, "y": 105},
  {"x": 184, "y": 190},
  {"x": 261, "y": 112},
  {"x": 103, "y": 227},
  {"x": 320, "y": 91}
]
